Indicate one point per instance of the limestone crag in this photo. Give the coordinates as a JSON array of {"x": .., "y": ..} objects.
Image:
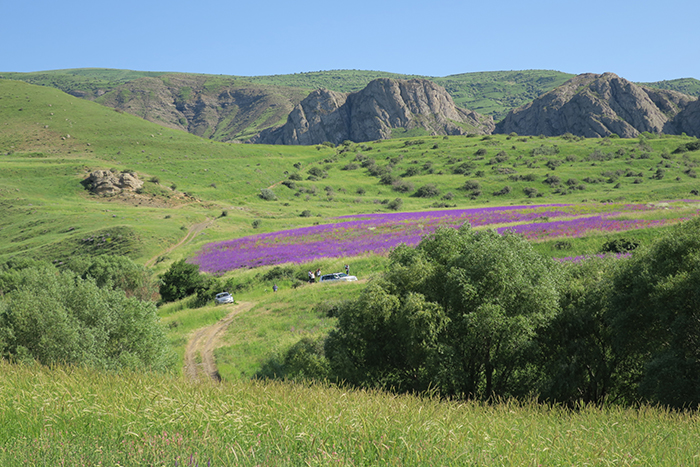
[
  {"x": 106, "y": 182},
  {"x": 594, "y": 105},
  {"x": 374, "y": 113}
]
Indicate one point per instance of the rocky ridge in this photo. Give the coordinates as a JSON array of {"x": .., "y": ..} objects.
[
  {"x": 593, "y": 105},
  {"x": 375, "y": 112}
]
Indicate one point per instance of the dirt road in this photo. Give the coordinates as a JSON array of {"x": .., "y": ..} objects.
[
  {"x": 191, "y": 233},
  {"x": 199, "y": 354}
]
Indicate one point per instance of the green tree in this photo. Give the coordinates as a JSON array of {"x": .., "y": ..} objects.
[
  {"x": 459, "y": 312},
  {"x": 578, "y": 359},
  {"x": 180, "y": 281},
  {"x": 117, "y": 272},
  {"x": 55, "y": 316},
  {"x": 655, "y": 315}
]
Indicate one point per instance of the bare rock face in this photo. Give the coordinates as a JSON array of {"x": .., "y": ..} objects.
[
  {"x": 372, "y": 113},
  {"x": 688, "y": 121},
  {"x": 105, "y": 182},
  {"x": 593, "y": 105}
]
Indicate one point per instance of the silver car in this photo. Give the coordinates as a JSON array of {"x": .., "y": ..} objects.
[
  {"x": 223, "y": 297},
  {"x": 337, "y": 276}
]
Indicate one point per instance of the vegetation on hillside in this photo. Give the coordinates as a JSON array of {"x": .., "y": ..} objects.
[{"x": 600, "y": 331}]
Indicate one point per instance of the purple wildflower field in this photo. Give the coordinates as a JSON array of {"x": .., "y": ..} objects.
[{"x": 379, "y": 233}]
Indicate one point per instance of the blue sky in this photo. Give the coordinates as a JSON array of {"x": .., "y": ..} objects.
[{"x": 638, "y": 40}]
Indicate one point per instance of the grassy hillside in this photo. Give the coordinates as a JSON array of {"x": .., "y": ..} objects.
[
  {"x": 51, "y": 141},
  {"x": 199, "y": 191}
]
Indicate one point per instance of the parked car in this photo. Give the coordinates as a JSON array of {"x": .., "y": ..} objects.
[
  {"x": 337, "y": 276},
  {"x": 224, "y": 297}
]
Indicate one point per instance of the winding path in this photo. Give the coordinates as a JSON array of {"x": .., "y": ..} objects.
[
  {"x": 191, "y": 233},
  {"x": 204, "y": 341}
]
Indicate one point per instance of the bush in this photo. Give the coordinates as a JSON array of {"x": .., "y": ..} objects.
[
  {"x": 395, "y": 205},
  {"x": 267, "y": 194},
  {"x": 503, "y": 191},
  {"x": 402, "y": 186},
  {"x": 56, "y": 317},
  {"x": 470, "y": 185},
  {"x": 317, "y": 172},
  {"x": 427, "y": 191}
]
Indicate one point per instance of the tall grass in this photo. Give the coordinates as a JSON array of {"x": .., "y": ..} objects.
[{"x": 71, "y": 416}]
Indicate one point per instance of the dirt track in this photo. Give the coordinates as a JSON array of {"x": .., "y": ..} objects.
[
  {"x": 191, "y": 233},
  {"x": 204, "y": 341}
]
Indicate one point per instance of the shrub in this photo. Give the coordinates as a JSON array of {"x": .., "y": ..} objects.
[
  {"x": 411, "y": 171},
  {"x": 305, "y": 213},
  {"x": 503, "y": 191},
  {"x": 395, "y": 205},
  {"x": 56, "y": 317},
  {"x": 267, "y": 194},
  {"x": 470, "y": 185},
  {"x": 464, "y": 168},
  {"x": 427, "y": 191},
  {"x": 318, "y": 172},
  {"x": 531, "y": 192},
  {"x": 295, "y": 176},
  {"x": 402, "y": 186}
]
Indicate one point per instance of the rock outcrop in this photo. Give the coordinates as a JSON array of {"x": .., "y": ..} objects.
[
  {"x": 106, "y": 182},
  {"x": 594, "y": 105},
  {"x": 375, "y": 113},
  {"x": 688, "y": 120},
  {"x": 220, "y": 108}
]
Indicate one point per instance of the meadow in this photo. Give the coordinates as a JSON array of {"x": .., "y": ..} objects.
[
  {"x": 79, "y": 417},
  {"x": 569, "y": 195}
]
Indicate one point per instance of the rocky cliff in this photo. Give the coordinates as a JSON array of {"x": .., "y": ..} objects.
[
  {"x": 594, "y": 105},
  {"x": 223, "y": 109},
  {"x": 374, "y": 113}
]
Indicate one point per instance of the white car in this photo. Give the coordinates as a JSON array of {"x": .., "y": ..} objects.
[
  {"x": 337, "y": 276},
  {"x": 224, "y": 297}
]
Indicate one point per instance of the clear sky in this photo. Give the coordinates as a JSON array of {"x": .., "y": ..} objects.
[{"x": 639, "y": 40}]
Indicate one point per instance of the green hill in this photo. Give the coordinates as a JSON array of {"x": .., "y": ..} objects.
[{"x": 51, "y": 141}]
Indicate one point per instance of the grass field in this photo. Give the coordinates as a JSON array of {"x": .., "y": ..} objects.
[
  {"x": 78, "y": 417},
  {"x": 50, "y": 142}
]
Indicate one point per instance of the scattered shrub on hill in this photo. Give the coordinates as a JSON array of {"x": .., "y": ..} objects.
[
  {"x": 267, "y": 194},
  {"x": 545, "y": 150},
  {"x": 427, "y": 191},
  {"x": 318, "y": 172},
  {"x": 465, "y": 168},
  {"x": 395, "y": 205},
  {"x": 402, "y": 186},
  {"x": 531, "y": 192},
  {"x": 411, "y": 171},
  {"x": 692, "y": 146},
  {"x": 295, "y": 176},
  {"x": 503, "y": 191}
]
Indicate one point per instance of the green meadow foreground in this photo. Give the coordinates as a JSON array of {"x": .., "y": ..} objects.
[
  {"x": 197, "y": 192},
  {"x": 80, "y": 417}
]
